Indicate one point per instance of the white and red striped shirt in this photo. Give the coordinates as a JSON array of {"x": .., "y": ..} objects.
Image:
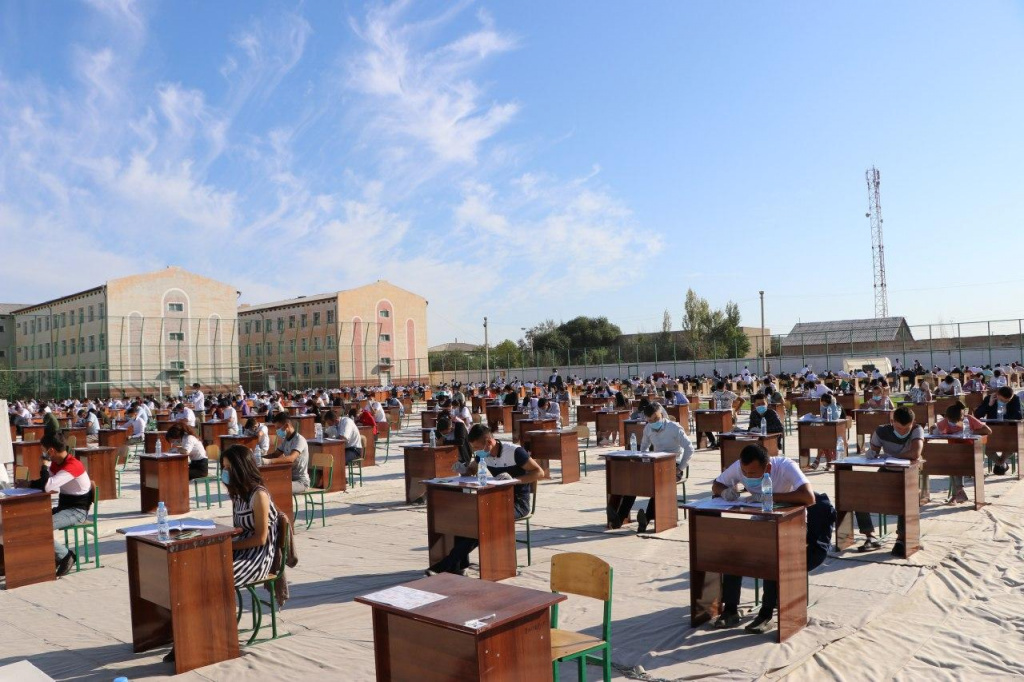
[{"x": 69, "y": 477}]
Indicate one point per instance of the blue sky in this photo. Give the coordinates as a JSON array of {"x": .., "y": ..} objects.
[{"x": 521, "y": 160}]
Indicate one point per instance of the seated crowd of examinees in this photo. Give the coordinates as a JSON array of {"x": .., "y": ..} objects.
[{"x": 255, "y": 514}]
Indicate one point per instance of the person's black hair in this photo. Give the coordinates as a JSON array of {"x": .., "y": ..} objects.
[
  {"x": 444, "y": 422},
  {"x": 903, "y": 415},
  {"x": 282, "y": 418},
  {"x": 754, "y": 453},
  {"x": 1005, "y": 392},
  {"x": 955, "y": 411},
  {"x": 54, "y": 440},
  {"x": 756, "y": 397},
  {"x": 244, "y": 476},
  {"x": 650, "y": 409},
  {"x": 478, "y": 433}
]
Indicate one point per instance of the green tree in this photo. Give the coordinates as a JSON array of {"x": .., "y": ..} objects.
[
  {"x": 711, "y": 333},
  {"x": 590, "y": 332},
  {"x": 507, "y": 354}
]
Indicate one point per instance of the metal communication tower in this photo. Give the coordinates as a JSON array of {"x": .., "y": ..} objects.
[{"x": 874, "y": 215}]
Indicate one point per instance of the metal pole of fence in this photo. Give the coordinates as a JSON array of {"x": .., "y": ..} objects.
[
  {"x": 989, "y": 341},
  {"x": 931, "y": 355},
  {"x": 1020, "y": 337}
]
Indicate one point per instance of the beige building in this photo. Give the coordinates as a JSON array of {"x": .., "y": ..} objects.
[
  {"x": 7, "y": 334},
  {"x": 371, "y": 335},
  {"x": 147, "y": 333}
]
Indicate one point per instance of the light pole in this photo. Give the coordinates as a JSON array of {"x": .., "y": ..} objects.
[
  {"x": 487, "y": 353},
  {"x": 764, "y": 352}
]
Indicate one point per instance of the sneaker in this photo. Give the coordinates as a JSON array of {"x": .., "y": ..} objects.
[
  {"x": 999, "y": 469},
  {"x": 730, "y": 619},
  {"x": 614, "y": 522},
  {"x": 760, "y": 625},
  {"x": 816, "y": 463},
  {"x": 899, "y": 550},
  {"x": 679, "y": 475},
  {"x": 869, "y": 544},
  {"x": 65, "y": 564},
  {"x": 641, "y": 521}
]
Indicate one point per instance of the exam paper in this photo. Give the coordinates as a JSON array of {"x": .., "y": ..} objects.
[
  {"x": 179, "y": 524},
  {"x": 404, "y": 597},
  {"x": 879, "y": 461},
  {"x": 720, "y": 503}
]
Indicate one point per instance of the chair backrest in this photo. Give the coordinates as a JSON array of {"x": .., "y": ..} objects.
[
  {"x": 213, "y": 453},
  {"x": 21, "y": 473},
  {"x": 30, "y": 436},
  {"x": 72, "y": 441},
  {"x": 581, "y": 574},
  {"x": 324, "y": 462},
  {"x": 363, "y": 439},
  {"x": 478, "y": 418},
  {"x": 121, "y": 457},
  {"x": 583, "y": 431}
]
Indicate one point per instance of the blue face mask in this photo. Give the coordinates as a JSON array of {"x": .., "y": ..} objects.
[
  {"x": 282, "y": 434},
  {"x": 225, "y": 477},
  {"x": 481, "y": 454},
  {"x": 761, "y": 409},
  {"x": 657, "y": 426},
  {"x": 752, "y": 484}
]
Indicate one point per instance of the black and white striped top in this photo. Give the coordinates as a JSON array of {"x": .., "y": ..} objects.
[{"x": 253, "y": 563}]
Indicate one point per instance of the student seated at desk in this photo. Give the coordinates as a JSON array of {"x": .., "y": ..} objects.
[
  {"x": 549, "y": 410},
  {"x": 344, "y": 429},
  {"x": 253, "y": 512},
  {"x": 393, "y": 401},
  {"x": 975, "y": 384},
  {"x": 184, "y": 440},
  {"x": 259, "y": 430},
  {"x": 184, "y": 413},
  {"x": 674, "y": 397},
  {"x": 1000, "y": 404},
  {"x": 830, "y": 410},
  {"x": 292, "y": 447},
  {"x": 878, "y": 400},
  {"x": 660, "y": 435},
  {"x": 950, "y": 385},
  {"x": 136, "y": 425},
  {"x": 952, "y": 425},
  {"x": 504, "y": 461},
  {"x": 789, "y": 485},
  {"x": 453, "y": 432},
  {"x": 760, "y": 412},
  {"x": 905, "y": 440},
  {"x": 922, "y": 393}
]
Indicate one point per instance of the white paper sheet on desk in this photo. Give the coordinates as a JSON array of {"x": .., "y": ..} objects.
[
  {"x": 880, "y": 461},
  {"x": 468, "y": 480},
  {"x": 720, "y": 503},
  {"x": 405, "y": 597},
  {"x": 177, "y": 524}
]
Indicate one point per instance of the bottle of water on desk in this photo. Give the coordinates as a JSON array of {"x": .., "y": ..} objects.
[
  {"x": 840, "y": 450},
  {"x": 159, "y": 447},
  {"x": 433, "y": 438},
  {"x": 481, "y": 471},
  {"x": 764, "y": 426},
  {"x": 767, "y": 500},
  {"x": 967, "y": 427},
  {"x": 163, "y": 530},
  {"x": 632, "y": 442},
  {"x": 1000, "y": 410}
]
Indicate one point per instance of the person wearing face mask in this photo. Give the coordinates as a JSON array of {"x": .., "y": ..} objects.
[
  {"x": 789, "y": 486},
  {"x": 878, "y": 400},
  {"x": 253, "y": 512},
  {"x": 1001, "y": 403},
  {"x": 292, "y": 448},
  {"x": 949, "y": 385},
  {"x": 903, "y": 439},
  {"x": 504, "y": 461},
  {"x": 661, "y": 435},
  {"x": 184, "y": 440},
  {"x": 67, "y": 476},
  {"x": 256, "y": 428},
  {"x": 953, "y": 423},
  {"x": 344, "y": 429},
  {"x": 759, "y": 412},
  {"x": 453, "y": 432}
]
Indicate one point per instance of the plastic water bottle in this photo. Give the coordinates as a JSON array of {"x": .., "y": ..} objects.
[
  {"x": 163, "y": 531},
  {"x": 1000, "y": 410},
  {"x": 840, "y": 450},
  {"x": 764, "y": 427},
  {"x": 159, "y": 447},
  {"x": 632, "y": 442},
  {"x": 967, "y": 428},
  {"x": 318, "y": 432},
  {"x": 767, "y": 500},
  {"x": 433, "y": 438},
  {"x": 481, "y": 471}
]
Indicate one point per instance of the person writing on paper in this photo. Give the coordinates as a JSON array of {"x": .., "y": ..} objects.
[
  {"x": 292, "y": 448},
  {"x": 661, "y": 435},
  {"x": 760, "y": 412},
  {"x": 950, "y": 385},
  {"x": 344, "y": 429},
  {"x": 955, "y": 417},
  {"x": 259, "y": 430},
  {"x": 453, "y": 432},
  {"x": 878, "y": 400},
  {"x": 1000, "y": 404},
  {"x": 901, "y": 439},
  {"x": 789, "y": 486},
  {"x": 253, "y": 512},
  {"x": 504, "y": 461},
  {"x": 183, "y": 439}
]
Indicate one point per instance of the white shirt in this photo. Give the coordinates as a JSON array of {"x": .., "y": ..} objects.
[
  {"x": 669, "y": 438},
  {"x": 262, "y": 440},
  {"x": 193, "y": 447},
  {"x": 346, "y": 430},
  {"x": 187, "y": 414},
  {"x": 198, "y": 401},
  {"x": 231, "y": 417},
  {"x": 138, "y": 425},
  {"x": 785, "y": 475}
]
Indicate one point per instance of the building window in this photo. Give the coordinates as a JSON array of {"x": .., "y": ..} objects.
[
  {"x": 47, "y": 320},
  {"x": 385, "y": 361},
  {"x": 270, "y": 349},
  {"x": 291, "y": 345},
  {"x": 64, "y": 347},
  {"x": 176, "y": 336},
  {"x": 318, "y": 368},
  {"x": 280, "y": 324},
  {"x": 92, "y": 313},
  {"x": 3, "y": 353},
  {"x": 331, "y": 367},
  {"x": 81, "y": 315},
  {"x": 92, "y": 344},
  {"x": 304, "y": 320},
  {"x": 248, "y": 350},
  {"x": 103, "y": 341},
  {"x": 316, "y": 343},
  {"x": 291, "y": 322},
  {"x": 46, "y": 347},
  {"x": 248, "y": 327},
  {"x": 72, "y": 346},
  {"x": 176, "y": 307},
  {"x": 330, "y": 317},
  {"x": 305, "y": 344},
  {"x": 280, "y": 347},
  {"x": 385, "y": 337},
  {"x": 258, "y": 324},
  {"x": 291, "y": 369},
  {"x": 259, "y": 348},
  {"x": 316, "y": 319},
  {"x": 305, "y": 369},
  {"x": 33, "y": 352},
  {"x": 177, "y": 364},
  {"x": 1, "y": 329},
  {"x": 330, "y": 343},
  {"x": 81, "y": 344},
  {"x": 102, "y": 310},
  {"x": 385, "y": 313},
  {"x": 33, "y": 326}
]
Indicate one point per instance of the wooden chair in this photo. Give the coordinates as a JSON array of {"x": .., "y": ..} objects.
[
  {"x": 72, "y": 442},
  {"x": 526, "y": 520},
  {"x": 323, "y": 463},
  {"x": 583, "y": 436},
  {"x": 89, "y": 527},
  {"x": 270, "y": 582},
  {"x": 358, "y": 462},
  {"x": 478, "y": 418},
  {"x": 584, "y": 575},
  {"x": 21, "y": 473},
  {"x": 213, "y": 462}
]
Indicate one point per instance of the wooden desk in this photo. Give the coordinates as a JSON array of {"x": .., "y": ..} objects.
[
  {"x": 820, "y": 435},
  {"x": 732, "y": 444},
  {"x": 632, "y": 427},
  {"x": 152, "y": 437},
  {"x": 370, "y": 451},
  {"x": 305, "y": 424},
  {"x": 499, "y": 414},
  {"x": 423, "y": 463},
  {"x": 29, "y": 454},
  {"x": 681, "y": 413},
  {"x": 712, "y": 421},
  {"x": 924, "y": 413},
  {"x": 807, "y": 406},
  {"x": 850, "y": 401},
  {"x": 248, "y": 441},
  {"x": 956, "y": 457},
  {"x": 101, "y": 463},
  {"x": 277, "y": 477},
  {"x": 182, "y": 592},
  {"x": 79, "y": 432},
  {"x": 585, "y": 413},
  {"x": 609, "y": 423},
  {"x": 518, "y": 416},
  {"x": 113, "y": 438},
  {"x": 213, "y": 430},
  {"x": 26, "y": 537},
  {"x": 562, "y": 445},
  {"x": 942, "y": 403},
  {"x": 644, "y": 474},
  {"x": 33, "y": 432},
  {"x": 868, "y": 422},
  {"x": 866, "y": 488},
  {"x": 336, "y": 449},
  {"x": 527, "y": 426},
  {"x": 433, "y": 643},
  {"x": 486, "y": 514},
  {"x": 164, "y": 424},
  {"x": 1007, "y": 436},
  {"x": 164, "y": 479},
  {"x": 478, "y": 404},
  {"x": 428, "y": 420},
  {"x": 773, "y": 547}
]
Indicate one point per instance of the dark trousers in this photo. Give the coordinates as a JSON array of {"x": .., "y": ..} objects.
[
  {"x": 731, "y": 585},
  {"x": 199, "y": 468},
  {"x": 352, "y": 454},
  {"x": 626, "y": 504},
  {"x": 712, "y": 441},
  {"x": 458, "y": 558},
  {"x": 866, "y": 526}
]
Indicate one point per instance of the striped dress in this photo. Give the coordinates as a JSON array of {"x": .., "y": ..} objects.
[{"x": 253, "y": 563}]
